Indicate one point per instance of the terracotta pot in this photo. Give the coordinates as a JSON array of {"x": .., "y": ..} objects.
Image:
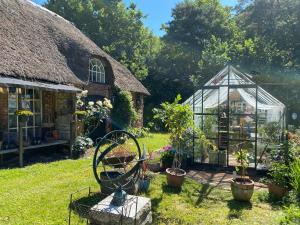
[
  {"x": 175, "y": 177},
  {"x": 277, "y": 190},
  {"x": 242, "y": 189},
  {"x": 55, "y": 134}
]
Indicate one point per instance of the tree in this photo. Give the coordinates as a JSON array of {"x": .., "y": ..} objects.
[{"x": 113, "y": 27}]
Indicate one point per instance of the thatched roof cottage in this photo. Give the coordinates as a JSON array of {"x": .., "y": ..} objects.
[{"x": 45, "y": 60}]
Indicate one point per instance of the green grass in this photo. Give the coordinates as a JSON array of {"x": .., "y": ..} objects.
[
  {"x": 39, "y": 194},
  {"x": 155, "y": 141}
]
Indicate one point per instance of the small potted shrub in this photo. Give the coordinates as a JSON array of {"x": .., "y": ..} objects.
[
  {"x": 80, "y": 146},
  {"x": 23, "y": 115},
  {"x": 178, "y": 118},
  {"x": 242, "y": 188},
  {"x": 279, "y": 179}
]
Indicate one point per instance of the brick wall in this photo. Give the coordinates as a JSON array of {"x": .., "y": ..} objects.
[{"x": 99, "y": 89}]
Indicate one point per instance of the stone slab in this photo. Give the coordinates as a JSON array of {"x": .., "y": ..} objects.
[{"x": 135, "y": 207}]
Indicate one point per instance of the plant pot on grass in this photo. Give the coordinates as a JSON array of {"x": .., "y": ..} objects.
[
  {"x": 277, "y": 190},
  {"x": 242, "y": 189},
  {"x": 175, "y": 177}
]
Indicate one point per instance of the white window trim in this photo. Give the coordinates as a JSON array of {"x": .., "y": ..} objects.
[{"x": 96, "y": 71}]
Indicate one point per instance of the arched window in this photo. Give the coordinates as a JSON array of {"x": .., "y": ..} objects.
[{"x": 96, "y": 71}]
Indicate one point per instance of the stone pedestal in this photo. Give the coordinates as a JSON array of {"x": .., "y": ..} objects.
[{"x": 136, "y": 210}]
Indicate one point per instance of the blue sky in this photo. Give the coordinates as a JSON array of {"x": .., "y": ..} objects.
[{"x": 157, "y": 11}]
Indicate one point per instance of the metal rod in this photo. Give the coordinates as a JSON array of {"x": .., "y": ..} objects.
[{"x": 256, "y": 119}]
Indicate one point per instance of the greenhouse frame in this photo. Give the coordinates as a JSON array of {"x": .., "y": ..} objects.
[{"x": 234, "y": 112}]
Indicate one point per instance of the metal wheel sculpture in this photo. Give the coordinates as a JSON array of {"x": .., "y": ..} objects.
[{"x": 117, "y": 162}]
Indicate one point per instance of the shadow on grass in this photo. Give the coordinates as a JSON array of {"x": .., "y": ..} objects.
[
  {"x": 271, "y": 199},
  {"x": 204, "y": 192},
  {"x": 170, "y": 190},
  {"x": 236, "y": 208},
  {"x": 81, "y": 206}
]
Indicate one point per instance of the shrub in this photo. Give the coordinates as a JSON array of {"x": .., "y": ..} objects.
[
  {"x": 81, "y": 144},
  {"x": 167, "y": 156},
  {"x": 295, "y": 176},
  {"x": 140, "y": 132},
  {"x": 124, "y": 114},
  {"x": 292, "y": 215},
  {"x": 280, "y": 173}
]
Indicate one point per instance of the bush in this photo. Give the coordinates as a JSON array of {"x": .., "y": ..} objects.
[
  {"x": 81, "y": 144},
  {"x": 124, "y": 114},
  {"x": 167, "y": 156},
  {"x": 280, "y": 174},
  {"x": 140, "y": 132},
  {"x": 292, "y": 215},
  {"x": 295, "y": 176}
]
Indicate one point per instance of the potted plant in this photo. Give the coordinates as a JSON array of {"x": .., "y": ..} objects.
[
  {"x": 177, "y": 119},
  {"x": 242, "y": 188},
  {"x": 81, "y": 144},
  {"x": 23, "y": 115},
  {"x": 144, "y": 181},
  {"x": 279, "y": 179},
  {"x": 167, "y": 157}
]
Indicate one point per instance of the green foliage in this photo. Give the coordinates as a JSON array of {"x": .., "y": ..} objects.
[
  {"x": 295, "y": 176},
  {"x": 176, "y": 117},
  {"x": 91, "y": 113},
  {"x": 280, "y": 174},
  {"x": 140, "y": 132},
  {"x": 117, "y": 29},
  {"x": 242, "y": 156},
  {"x": 167, "y": 158},
  {"x": 81, "y": 144},
  {"x": 292, "y": 215},
  {"x": 124, "y": 114}
]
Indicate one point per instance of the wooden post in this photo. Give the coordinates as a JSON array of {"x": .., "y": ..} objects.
[
  {"x": 21, "y": 147},
  {"x": 72, "y": 136}
]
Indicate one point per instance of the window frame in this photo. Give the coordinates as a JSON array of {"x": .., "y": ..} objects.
[{"x": 96, "y": 71}]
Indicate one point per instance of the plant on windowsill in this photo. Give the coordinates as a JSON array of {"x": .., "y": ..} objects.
[
  {"x": 23, "y": 115},
  {"x": 242, "y": 188}
]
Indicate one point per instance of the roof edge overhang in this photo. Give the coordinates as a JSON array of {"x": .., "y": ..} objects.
[{"x": 14, "y": 82}]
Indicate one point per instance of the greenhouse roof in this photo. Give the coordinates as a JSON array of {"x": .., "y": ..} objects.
[{"x": 228, "y": 82}]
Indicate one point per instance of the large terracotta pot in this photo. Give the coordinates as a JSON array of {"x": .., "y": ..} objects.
[
  {"x": 277, "y": 190},
  {"x": 242, "y": 189},
  {"x": 175, "y": 177}
]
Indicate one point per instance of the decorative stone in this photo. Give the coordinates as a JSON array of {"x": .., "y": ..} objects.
[{"x": 135, "y": 207}]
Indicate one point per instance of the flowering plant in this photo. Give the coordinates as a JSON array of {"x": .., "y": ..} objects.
[
  {"x": 23, "y": 112},
  {"x": 92, "y": 113}
]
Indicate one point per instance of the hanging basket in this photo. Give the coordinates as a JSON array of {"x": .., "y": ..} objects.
[{"x": 23, "y": 119}]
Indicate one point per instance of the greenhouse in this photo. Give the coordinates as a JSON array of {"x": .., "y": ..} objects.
[{"x": 234, "y": 111}]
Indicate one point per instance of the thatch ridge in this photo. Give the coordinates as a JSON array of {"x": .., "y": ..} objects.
[{"x": 38, "y": 44}]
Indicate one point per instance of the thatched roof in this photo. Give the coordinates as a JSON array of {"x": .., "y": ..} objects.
[{"x": 37, "y": 44}]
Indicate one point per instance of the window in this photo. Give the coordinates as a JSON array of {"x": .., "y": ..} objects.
[
  {"x": 96, "y": 71},
  {"x": 20, "y": 98}
]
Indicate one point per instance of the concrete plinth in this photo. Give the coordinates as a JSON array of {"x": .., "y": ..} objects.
[{"x": 136, "y": 210}]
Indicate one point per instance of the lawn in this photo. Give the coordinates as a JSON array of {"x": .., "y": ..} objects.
[{"x": 39, "y": 194}]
